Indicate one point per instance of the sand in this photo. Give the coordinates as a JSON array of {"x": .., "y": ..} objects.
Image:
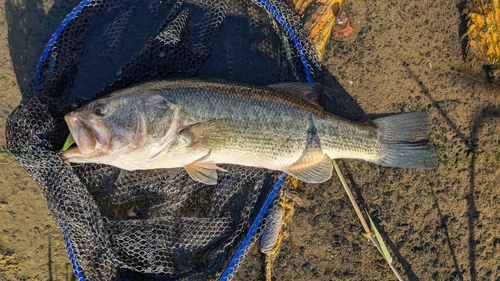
[{"x": 403, "y": 56}]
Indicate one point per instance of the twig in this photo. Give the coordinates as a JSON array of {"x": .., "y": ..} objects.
[
  {"x": 374, "y": 235},
  {"x": 353, "y": 202}
]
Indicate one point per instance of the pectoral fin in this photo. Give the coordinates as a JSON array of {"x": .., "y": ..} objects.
[
  {"x": 204, "y": 170},
  {"x": 317, "y": 171},
  {"x": 210, "y": 134}
]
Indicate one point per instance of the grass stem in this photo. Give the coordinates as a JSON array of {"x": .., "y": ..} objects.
[{"x": 371, "y": 233}]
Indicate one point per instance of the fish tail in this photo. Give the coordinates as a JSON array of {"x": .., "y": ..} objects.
[{"x": 404, "y": 139}]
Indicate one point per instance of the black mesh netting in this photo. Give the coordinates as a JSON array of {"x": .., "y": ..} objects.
[{"x": 158, "y": 223}]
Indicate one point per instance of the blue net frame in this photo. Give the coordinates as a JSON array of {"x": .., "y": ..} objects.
[{"x": 310, "y": 73}]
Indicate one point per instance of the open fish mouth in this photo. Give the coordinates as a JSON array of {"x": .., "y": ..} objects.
[{"x": 92, "y": 138}]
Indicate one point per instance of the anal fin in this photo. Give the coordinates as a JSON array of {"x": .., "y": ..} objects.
[
  {"x": 314, "y": 166},
  {"x": 313, "y": 171},
  {"x": 204, "y": 170}
]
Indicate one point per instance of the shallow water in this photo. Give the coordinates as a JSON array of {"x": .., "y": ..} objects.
[{"x": 439, "y": 225}]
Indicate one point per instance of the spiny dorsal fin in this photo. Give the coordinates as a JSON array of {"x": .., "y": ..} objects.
[
  {"x": 204, "y": 170},
  {"x": 310, "y": 92}
]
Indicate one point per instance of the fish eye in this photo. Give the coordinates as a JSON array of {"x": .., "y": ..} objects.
[{"x": 99, "y": 109}]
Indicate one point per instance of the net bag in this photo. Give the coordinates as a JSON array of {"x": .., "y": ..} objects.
[{"x": 155, "y": 224}]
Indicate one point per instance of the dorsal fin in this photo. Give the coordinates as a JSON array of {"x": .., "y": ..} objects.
[{"x": 310, "y": 92}]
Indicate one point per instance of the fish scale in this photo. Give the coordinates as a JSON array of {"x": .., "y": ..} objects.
[
  {"x": 267, "y": 124},
  {"x": 272, "y": 122}
]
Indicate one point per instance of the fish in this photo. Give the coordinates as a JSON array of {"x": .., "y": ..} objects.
[{"x": 197, "y": 123}]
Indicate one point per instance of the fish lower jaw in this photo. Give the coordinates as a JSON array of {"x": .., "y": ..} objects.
[{"x": 74, "y": 155}]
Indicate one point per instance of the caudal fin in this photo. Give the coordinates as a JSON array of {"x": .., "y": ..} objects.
[{"x": 405, "y": 141}]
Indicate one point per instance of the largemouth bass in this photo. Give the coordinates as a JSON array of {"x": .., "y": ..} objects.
[{"x": 197, "y": 123}]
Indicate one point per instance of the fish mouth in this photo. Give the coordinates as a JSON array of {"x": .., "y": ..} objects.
[{"x": 92, "y": 138}]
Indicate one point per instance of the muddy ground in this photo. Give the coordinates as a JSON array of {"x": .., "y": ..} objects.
[{"x": 403, "y": 56}]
